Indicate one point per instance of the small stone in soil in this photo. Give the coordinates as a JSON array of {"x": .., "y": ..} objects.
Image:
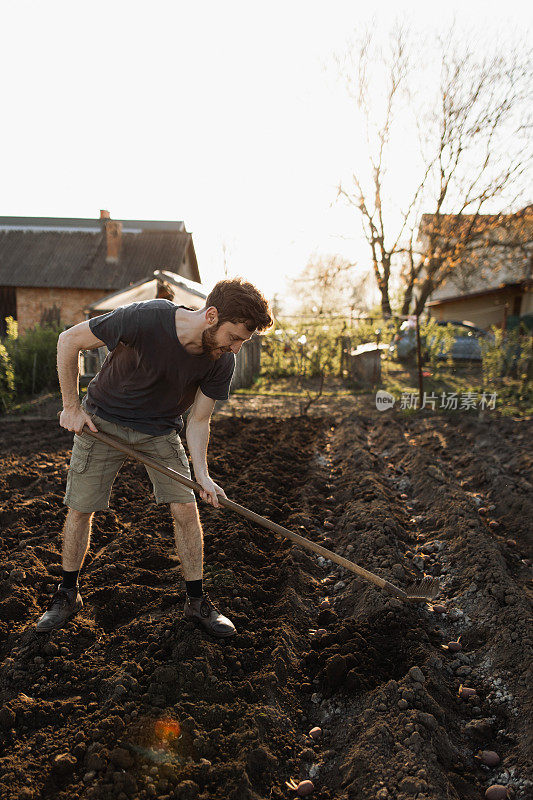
[
  {"x": 489, "y": 757},
  {"x": 496, "y": 792},
  {"x": 305, "y": 788},
  {"x": 417, "y": 675}
]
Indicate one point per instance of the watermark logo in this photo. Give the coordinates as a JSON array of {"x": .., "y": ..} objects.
[
  {"x": 384, "y": 400},
  {"x": 451, "y": 401}
]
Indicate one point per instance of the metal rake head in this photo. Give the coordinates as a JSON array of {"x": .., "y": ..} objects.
[{"x": 426, "y": 588}]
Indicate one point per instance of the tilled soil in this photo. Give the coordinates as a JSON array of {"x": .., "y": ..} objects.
[{"x": 132, "y": 701}]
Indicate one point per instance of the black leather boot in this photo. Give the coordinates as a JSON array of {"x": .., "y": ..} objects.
[
  {"x": 63, "y": 605},
  {"x": 202, "y": 611}
]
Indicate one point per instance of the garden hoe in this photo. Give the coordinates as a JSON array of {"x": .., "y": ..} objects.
[{"x": 418, "y": 592}]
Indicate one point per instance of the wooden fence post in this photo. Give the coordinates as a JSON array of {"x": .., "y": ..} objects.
[
  {"x": 248, "y": 364},
  {"x": 419, "y": 363}
]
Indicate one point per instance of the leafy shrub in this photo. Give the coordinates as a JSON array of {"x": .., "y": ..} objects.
[
  {"x": 507, "y": 354},
  {"x": 437, "y": 344},
  {"x": 33, "y": 357},
  {"x": 312, "y": 348},
  {"x": 301, "y": 349},
  {"x": 493, "y": 355},
  {"x": 7, "y": 379}
]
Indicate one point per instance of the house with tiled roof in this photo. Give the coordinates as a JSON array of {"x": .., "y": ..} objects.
[{"x": 54, "y": 269}]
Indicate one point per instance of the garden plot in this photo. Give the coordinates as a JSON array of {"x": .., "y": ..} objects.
[{"x": 328, "y": 679}]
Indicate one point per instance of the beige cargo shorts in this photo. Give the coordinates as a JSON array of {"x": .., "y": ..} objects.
[{"x": 94, "y": 467}]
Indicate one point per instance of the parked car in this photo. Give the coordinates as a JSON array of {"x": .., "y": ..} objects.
[{"x": 465, "y": 345}]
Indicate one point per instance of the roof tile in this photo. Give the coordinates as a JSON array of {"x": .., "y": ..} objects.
[{"x": 77, "y": 260}]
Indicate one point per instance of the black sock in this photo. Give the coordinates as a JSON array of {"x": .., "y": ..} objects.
[
  {"x": 70, "y": 579},
  {"x": 194, "y": 588}
]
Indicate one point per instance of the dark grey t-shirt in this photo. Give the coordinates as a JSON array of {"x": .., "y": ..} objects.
[{"x": 148, "y": 378}]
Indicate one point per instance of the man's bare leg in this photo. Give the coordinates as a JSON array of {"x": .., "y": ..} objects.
[
  {"x": 66, "y": 601},
  {"x": 189, "y": 539},
  {"x": 76, "y": 538},
  {"x": 190, "y": 547}
]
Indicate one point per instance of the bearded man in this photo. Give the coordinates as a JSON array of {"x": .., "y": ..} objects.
[{"x": 163, "y": 358}]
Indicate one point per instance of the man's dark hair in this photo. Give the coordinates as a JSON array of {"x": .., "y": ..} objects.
[{"x": 236, "y": 300}]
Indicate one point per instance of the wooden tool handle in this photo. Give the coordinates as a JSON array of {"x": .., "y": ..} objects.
[{"x": 245, "y": 512}]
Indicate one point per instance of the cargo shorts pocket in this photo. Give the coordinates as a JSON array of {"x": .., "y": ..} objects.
[
  {"x": 181, "y": 454},
  {"x": 80, "y": 454}
]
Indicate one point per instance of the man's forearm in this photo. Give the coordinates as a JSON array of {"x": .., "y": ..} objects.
[
  {"x": 68, "y": 370},
  {"x": 197, "y": 440}
]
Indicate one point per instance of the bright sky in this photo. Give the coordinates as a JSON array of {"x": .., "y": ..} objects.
[{"x": 218, "y": 113}]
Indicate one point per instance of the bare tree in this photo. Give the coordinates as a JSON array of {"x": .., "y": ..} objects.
[
  {"x": 328, "y": 284},
  {"x": 275, "y": 305},
  {"x": 472, "y": 128}
]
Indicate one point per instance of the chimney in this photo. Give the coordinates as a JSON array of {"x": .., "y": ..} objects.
[
  {"x": 104, "y": 214},
  {"x": 113, "y": 235}
]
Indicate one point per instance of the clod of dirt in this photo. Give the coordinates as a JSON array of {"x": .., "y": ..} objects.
[
  {"x": 17, "y": 574},
  {"x": 121, "y": 758},
  {"x": 187, "y": 790},
  {"x": 63, "y": 764},
  {"x": 480, "y": 730},
  {"x": 416, "y": 674}
]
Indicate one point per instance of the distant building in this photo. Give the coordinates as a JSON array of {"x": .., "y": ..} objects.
[
  {"x": 491, "y": 283},
  {"x": 55, "y": 269},
  {"x": 504, "y": 306},
  {"x": 161, "y": 284}
]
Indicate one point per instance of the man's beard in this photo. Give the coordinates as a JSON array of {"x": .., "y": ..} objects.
[{"x": 210, "y": 344}]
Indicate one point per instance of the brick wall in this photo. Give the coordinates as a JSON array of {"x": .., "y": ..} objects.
[{"x": 33, "y": 303}]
